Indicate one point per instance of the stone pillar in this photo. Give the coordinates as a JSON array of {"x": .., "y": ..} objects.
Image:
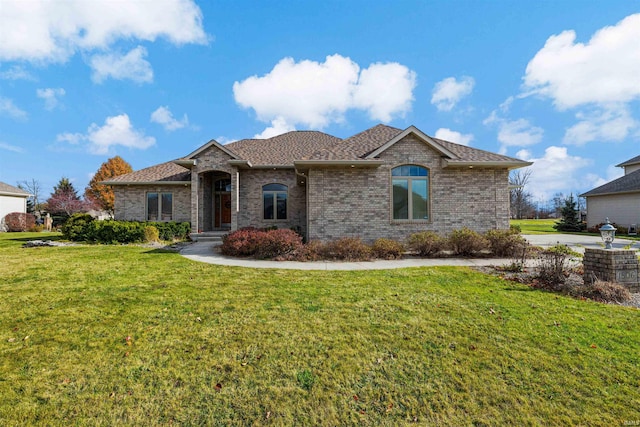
[{"x": 612, "y": 265}]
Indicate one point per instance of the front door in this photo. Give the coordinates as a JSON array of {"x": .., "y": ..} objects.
[{"x": 222, "y": 210}]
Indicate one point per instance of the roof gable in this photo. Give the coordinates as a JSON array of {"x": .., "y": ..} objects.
[
  {"x": 634, "y": 161},
  {"x": 213, "y": 144},
  {"x": 417, "y": 132}
]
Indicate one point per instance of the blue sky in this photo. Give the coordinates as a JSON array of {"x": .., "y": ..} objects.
[{"x": 557, "y": 83}]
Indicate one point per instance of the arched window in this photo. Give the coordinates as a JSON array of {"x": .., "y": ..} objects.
[
  {"x": 410, "y": 193},
  {"x": 274, "y": 201}
]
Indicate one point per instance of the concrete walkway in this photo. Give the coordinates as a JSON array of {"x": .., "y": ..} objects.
[{"x": 206, "y": 252}]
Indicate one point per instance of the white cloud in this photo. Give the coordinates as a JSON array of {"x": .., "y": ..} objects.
[
  {"x": 315, "y": 94},
  {"x": 610, "y": 124},
  {"x": 604, "y": 70},
  {"x": 514, "y": 133},
  {"x": 612, "y": 173},
  {"x": 53, "y": 31},
  {"x": 50, "y": 97},
  {"x": 453, "y": 136},
  {"x": 117, "y": 130},
  {"x": 8, "y": 147},
  {"x": 278, "y": 127},
  {"x": 385, "y": 90},
  {"x": 7, "y": 107},
  {"x": 448, "y": 92},
  {"x": 164, "y": 117},
  {"x": 16, "y": 73},
  {"x": 554, "y": 172},
  {"x": 130, "y": 66}
]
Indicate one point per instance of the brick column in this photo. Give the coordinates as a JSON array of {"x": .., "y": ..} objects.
[{"x": 612, "y": 265}]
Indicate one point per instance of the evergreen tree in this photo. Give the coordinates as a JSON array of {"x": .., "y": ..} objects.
[
  {"x": 570, "y": 216},
  {"x": 100, "y": 194}
]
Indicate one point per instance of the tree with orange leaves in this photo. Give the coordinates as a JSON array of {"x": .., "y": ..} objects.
[{"x": 102, "y": 195}]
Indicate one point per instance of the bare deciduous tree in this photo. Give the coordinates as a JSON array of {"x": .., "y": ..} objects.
[{"x": 520, "y": 199}]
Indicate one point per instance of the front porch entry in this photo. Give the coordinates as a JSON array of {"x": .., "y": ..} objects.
[{"x": 215, "y": 201}]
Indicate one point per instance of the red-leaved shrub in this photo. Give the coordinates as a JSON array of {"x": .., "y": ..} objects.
[
  {"x": 278, "y": 243},
  {"x": 242, "y": 242},
  {"x": 19, "y": 221}
]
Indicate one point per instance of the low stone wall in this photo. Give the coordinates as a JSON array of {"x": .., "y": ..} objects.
[{"x": 612, "y": 265}]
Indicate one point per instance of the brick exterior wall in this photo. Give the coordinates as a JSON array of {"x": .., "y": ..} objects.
[
  {"x": 251, "y": 209},
  {"x": 131, "y": 201},
  {"x": 612, "y": 265},
  {"x": 356, "y": 202}
]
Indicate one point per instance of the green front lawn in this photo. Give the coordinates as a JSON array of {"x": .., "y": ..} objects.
[
  {"x": 108, "y": 335},
  {"x": 535, "y": 226}
]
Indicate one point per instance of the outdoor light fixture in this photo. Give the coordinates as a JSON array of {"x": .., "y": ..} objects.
[{"x": 608, "y": 233}]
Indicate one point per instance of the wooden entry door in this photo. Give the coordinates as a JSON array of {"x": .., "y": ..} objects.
[{"x": 223, "y": 210}]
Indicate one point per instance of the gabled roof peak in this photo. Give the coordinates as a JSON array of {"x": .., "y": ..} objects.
[{"x": 633, "y": 161}]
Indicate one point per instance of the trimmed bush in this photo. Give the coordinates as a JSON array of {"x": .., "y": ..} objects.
[
  {"x": 19, "y": 221},
  {"x": 347, "y": 249},
  {"x": 504, "y": 242},
  {"x": 466, "y": 242},
  {"x": 278, "y": 243},
  {"x": 242, "y": 242},
  {"x": 172, "y": 230},
  {"x": 109, "y": 232},
  {"x": 77, "y": 227},
  {"x": 426, "y": 243},
  {"x": 151, "y": 234},
  {"x": 387, "y": 249}
]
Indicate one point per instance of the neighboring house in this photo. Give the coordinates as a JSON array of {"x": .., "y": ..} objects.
[
  {"x": 618, "y": 200},
  {"x": 12, "y": 199},
  {"x": 383, "y": 182}
]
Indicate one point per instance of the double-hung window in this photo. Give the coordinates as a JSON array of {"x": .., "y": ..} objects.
[
  {"x": 159, "y": 206},
  {"x": 274, "y": 201},
  {"x": 410, "y": 196}
]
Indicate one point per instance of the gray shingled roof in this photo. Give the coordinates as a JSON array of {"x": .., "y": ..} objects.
[
  {"x": 10, "y": 190},
  {"x": 285, "y": 149},
  {"x": 164, "y": 172},
  {"x": 630, "y": 162},
  {"x": 282, "y": 149},
  {"x": 629, "y": 183}
]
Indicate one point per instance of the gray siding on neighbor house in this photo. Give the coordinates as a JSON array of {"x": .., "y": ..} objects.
[
  {"x": 251, "y": 209},
  {"x": 354, "y": 202},
  {"x": 131, "y": 200},
  {"x": 622, "y": 209}
]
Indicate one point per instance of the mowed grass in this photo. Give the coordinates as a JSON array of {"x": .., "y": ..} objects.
[
  {"x": 535, "y": 226},
  {"x": 213, "y": 345}
]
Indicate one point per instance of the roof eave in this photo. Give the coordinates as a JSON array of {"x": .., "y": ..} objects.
[
  {"x": 609, "y": 193},
  {"x": 9, "y": 193},
  {"x": 488, "y": 164},
  {"x": 185, "y": 162},
  {"x": 341, "y": 163},
  {"x": 145, "y": 183}
]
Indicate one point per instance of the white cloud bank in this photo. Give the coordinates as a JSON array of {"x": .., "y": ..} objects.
[
  {"x": 514, "y": 133},
  {"x": 315, "y": 94},
  {"x": 448, "y": 92},
  {"x": 50, "y": 97},
  {"x": 453, "y": 136},
  {"x": 553, "y": 172},
  {"x": 53, "y": 31},
  {"x": 601, "y": 74},
  {"x": 164, "y": 117},
  {"x": 132, "y": 66},
  {"x": 117, "y": 130}
]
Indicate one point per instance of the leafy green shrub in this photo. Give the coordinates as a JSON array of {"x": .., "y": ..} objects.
[
  {"x": 172, "y": 230},
  {"x": 277, "y": 243},
  {"x": 151, "y": 234},
  {"x": 426, "y": 243},
  {"x": 516, "y": 228},
  {"x": 387, "y": 249},
  {"x": 347, "y": 249},
  {"x": 242, "y": 242},
  {"x": 504, "y": 242},
  {"x": 466, "y": 242},
  {"x": 78, "y": 227},
  {"x": 109, "y": 232}
]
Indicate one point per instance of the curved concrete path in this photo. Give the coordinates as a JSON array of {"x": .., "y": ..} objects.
[{"x": 206, "y": 252}]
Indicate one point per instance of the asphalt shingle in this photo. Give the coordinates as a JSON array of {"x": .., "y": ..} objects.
[
  {"x": 625, "y": 184},
  {"x": 10, "y": 189},
  {"x": 164, "y": 172}
]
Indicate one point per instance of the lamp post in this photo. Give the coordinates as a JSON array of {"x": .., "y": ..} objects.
[{"x": 608, "y": 233}]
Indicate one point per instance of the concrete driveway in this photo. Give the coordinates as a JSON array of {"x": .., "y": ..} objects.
[{"x": 577, "y": 242}]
